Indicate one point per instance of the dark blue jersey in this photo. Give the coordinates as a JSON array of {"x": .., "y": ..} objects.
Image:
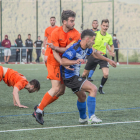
[{"x": 73, "y": 53}]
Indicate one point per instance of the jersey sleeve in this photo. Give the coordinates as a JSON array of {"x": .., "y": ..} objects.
[
  {"x": 21, "y": 84},
  {"x": 54, "y": 38},
  {"x": 69, "y": 54},
  {"x": 110, "y": 41},
  {"x": 45, "y": 34},
  {"x": 90, "y": 51}
]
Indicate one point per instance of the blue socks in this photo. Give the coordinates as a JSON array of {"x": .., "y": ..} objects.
[
  {"x": 82, "y": 109},
  {"x": 90, "y": 73},
  {"x": 91, "y": 103}
]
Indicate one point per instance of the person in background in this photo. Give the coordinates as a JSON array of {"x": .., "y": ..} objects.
[
  {"x": 116, "y": 44},
  {"x": 29, "y": 43},
  {"x": 38, "y": 43},
  {"x": 18, "y": 43},
  {"x": 6, "y": 43}
]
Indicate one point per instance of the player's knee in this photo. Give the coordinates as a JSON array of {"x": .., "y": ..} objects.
[
  {"x": 93, "y": 90},
  {"x": 105, "y": 75},
  {"x": 82, "y": 97}
]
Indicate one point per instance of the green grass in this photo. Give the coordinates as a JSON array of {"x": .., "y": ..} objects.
[{"x": 121, "y": 91}]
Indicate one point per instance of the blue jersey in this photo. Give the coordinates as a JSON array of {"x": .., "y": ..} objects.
[{"x": 73, "y": 53}]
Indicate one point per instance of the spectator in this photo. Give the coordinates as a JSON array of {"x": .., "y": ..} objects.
[
  {"x": 6, "y": 43},
  {"x": 38, "y": 43},
  {"x": 116, "y": 44},
  {"x": 29, "y": 43},
  {"x": 18, "y": 43}
]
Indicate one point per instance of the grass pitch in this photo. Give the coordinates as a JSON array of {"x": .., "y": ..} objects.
[{"x": 119, "y": 104}]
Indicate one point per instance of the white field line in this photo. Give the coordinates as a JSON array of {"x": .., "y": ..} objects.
[{"x": 71, "y": 126}]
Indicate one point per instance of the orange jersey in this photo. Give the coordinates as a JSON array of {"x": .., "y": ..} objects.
[
  {"x": 61, "y": 39},
  {"x": 1, "y": 73},
  {"x": 15, "y": 79},
  {"x": 47, "y": 34}
]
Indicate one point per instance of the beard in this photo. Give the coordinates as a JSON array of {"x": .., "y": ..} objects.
[{"x": 69, "y": 27}]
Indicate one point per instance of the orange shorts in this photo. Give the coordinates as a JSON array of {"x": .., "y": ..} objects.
[
  {"x": 54, "y": 73},
  {"x": 1, "y": 73}
]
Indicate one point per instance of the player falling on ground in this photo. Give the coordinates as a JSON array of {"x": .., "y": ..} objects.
[
  {"x": 47, "y": 38},
  {"x": 18, "y": 82},
  {"x": 79, "y": 85},
  {"x": 101, "y": 41},
  {"x": 61, "y": 37}
]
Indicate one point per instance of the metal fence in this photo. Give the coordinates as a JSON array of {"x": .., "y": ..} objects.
[
  {"x": 32, "y": 16},
  {"x": 127, "y": 55}
]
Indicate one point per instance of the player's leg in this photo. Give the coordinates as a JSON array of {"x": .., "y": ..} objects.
[
  {"x": 31, "y": 56},
  {"x": 117, "y": 58},
  {"x": 91, "y": 101},
  {"x": 9, "y": 54},
  {"x": 105, "y": 71},
  {"x": 81, "y": 105}
]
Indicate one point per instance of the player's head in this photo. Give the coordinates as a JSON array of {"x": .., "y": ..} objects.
[
  {"x": 114, "y": 36},
  {"x": 19, "y": 36},
  {"x": 88, "y": 37},
  {"x": 34, "y": 86},
  {"x": 52, "y": 21},
  {"x": 95, "y": 24},
  {"x": 38, "y": 37},
  {"x": 104, "y": 25},
  {"x": 29, "y": 36},
  {"x": 68, "y": 19},
  {"x": 6, "y": 37}
]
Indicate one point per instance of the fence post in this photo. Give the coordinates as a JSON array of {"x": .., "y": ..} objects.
[
  {"x": 20, "y": 55},
  {"x": 127, "y": 56}
]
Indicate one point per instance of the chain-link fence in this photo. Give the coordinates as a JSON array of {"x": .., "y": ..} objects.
[{"x": 32, "y": 16}]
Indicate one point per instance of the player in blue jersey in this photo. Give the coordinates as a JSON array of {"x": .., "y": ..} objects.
[{"x": 79, "y": 85}]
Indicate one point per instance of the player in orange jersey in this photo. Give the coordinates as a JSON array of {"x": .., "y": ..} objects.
[
  {"x": 47, "y": 38},
  {"x": 18, "y": 82},
  {"x": 61, "y": 37}
]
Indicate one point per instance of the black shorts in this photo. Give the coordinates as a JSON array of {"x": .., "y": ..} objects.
[
  {"x": 93, "y": 62},
  {"x": 75, "y": 83}
]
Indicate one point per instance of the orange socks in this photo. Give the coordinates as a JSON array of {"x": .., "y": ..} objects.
[
  {"x": 54, "y": 98},
  {"x": 47, "y": 99}
]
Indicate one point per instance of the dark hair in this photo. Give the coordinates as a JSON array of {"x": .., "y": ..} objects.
[
  {"x": 95, "y": 20},
  {"x": 29, "y": 34},
  {"x": 87, "y": 32},
  {"x": 114, "y": 34},
  {"x": 105, "y": 20},
  {"x": 35, "y": 83},
  {"x": 52, "y": 17},
  {"x": 19, "y": 35},
  {"x": 66, "y": 14}
]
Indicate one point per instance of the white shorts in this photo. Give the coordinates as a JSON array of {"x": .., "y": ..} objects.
[{"x": 7, "y": 52}]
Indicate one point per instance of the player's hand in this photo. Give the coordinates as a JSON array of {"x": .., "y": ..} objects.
[
  {"x": 79, "y": 61},
  {"x": 43, "y": 51},
  {"x": 17, "y": 50},
  {"x": 27, "y": 50},
  {"x": 51, "y": 46},
  {"x": 112, "y": 63},
  {"x": 68, "y": 68},
  {"x": 112, "y": 54},
  {"x": 22, "y": 106},
  {"x": 100, "y": 52}
]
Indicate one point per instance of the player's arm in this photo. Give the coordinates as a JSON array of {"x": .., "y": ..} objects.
[
  {"x": 58, "y": 49},
  {"x": 34, "y": 44},
  {"x": 99, "y": 56},
  {"x": 16, "y": 98},
  {"x": 111, "y": 51}
]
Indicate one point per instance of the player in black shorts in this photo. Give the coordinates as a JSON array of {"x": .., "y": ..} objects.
[{"x": 101, "y": 41}]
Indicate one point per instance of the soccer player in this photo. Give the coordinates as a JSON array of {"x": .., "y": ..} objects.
[
  {"x": 101, "y": 41},
  {"x": 61, "y": 37},
  {"x": 95, "y": 30},
  {"x": 79, "y": 85},
  {"x": 18, "y": 82},
  {"x": 47, "y": 38}
]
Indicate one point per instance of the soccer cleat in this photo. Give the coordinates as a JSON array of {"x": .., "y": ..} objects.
[
  {"x": 35, "y": 108},
  {"x": 100, "y": 90},
  {"x": 94, "y": 119},
  {"x": 38, "y": 117},
  {"x": 89, "y": 79},
  {"x": 82, "y": 121}
]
